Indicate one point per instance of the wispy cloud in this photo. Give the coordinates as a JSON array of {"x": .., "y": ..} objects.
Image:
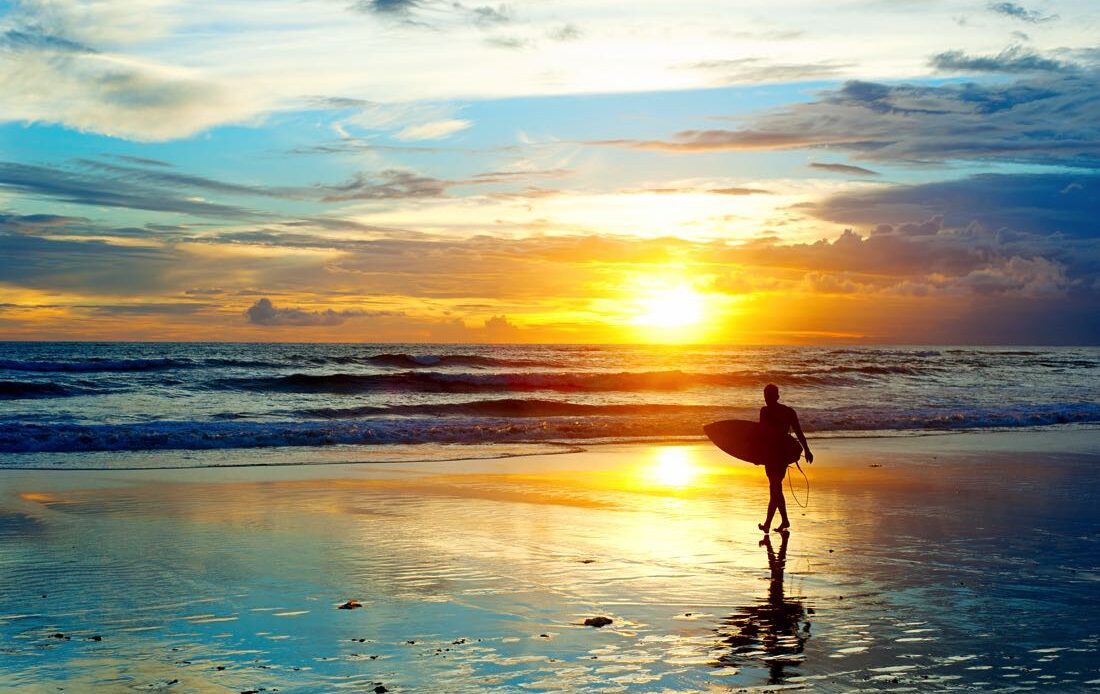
[
  {"x": 922, "y": 123},
  {"x": 391, "y": 184},
  {"x": 435, "y": 130},
  {"x": 1012, "y": 60},
  {"x": 75, "y": 186},
  {"x": 760, "y": 70},
  {"x": 843, "y": 169},
  {"x": 1016, "y": 11}
]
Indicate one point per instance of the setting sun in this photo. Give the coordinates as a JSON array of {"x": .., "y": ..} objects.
[{"x": 672, "y": 308}]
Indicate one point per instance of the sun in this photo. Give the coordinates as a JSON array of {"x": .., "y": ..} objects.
[{"x": 671, "y": 307}]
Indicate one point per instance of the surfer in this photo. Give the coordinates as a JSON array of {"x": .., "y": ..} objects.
[{"x": 778, "y": 420}]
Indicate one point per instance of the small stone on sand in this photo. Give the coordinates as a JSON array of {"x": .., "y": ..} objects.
[
  {"x": 350, "y": 605},
  {"x": 597, "y": 622}
]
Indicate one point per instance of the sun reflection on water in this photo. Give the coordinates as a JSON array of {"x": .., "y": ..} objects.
[{"x": 673, "y": 466}]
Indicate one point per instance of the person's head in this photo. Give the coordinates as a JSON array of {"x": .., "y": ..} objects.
[{"x": 771, "y": 393}]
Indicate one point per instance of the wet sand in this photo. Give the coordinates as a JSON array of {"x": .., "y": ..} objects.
[{"x": 955, "y": 562}]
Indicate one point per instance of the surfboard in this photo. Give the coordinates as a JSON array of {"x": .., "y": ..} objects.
[{"x": 752, "y": 443}]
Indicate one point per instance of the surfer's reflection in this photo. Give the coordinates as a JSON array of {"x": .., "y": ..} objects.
[{"x": 772, "y": 631}]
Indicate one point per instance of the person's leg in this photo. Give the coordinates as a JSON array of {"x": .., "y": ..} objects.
[
  {"x": 781, "y": 501},
  {"x": 773, "y": 500},
  {"x": 772, "y": 506}
]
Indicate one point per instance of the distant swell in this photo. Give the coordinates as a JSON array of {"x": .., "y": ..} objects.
[
  {"x": 410, "y": 361},
  {"x": 21, "y": 390},
  {"x": 439, "y": 382},
  {"x": 90, "y": 365},
  {"x": 505, "y": 407}
]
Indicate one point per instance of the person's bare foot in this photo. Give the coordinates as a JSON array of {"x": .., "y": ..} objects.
[
  {"x": 785, "y": 528},
  {"x": 763, "y": 527}
]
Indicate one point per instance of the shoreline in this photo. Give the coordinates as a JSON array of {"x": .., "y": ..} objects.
[{"x": 278, "y": 456}]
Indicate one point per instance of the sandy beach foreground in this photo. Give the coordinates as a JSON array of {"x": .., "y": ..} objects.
[{"x": 964, "y": 561}]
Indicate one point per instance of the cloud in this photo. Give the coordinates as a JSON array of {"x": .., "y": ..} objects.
[
  {"x": 1015, "y": 11},
  {"x": 141, "y": 161},
  {"x": 828, "y": 283},
  {"x": 435, "y": 130},
  {"x": 1038, "y": 203},
  {"x": 952, "y": 267},
  {"x": 565, "y": 32},
  {"x": 390, "y": 184},
  {"x": 909, "y": 123},
  {"x": 53, "y": 72},
  {"x": 407, "y": 121},
  {"x": 759, "y": 70},
  {"x": 844, "y": 169},
  {"x": 1029, "y": 277},
  {"x": 263, "y": 312},
  {"x": 148, "y": 309},
  {"x": 1012, "y": 60},
  {"x": 486, "y": 16},
  {"x": 507, "y": 42},
  {"x": 731, "y": 191},
  {"x": 387, "y": 7},
  {"x": 83, "y": 188},
  {"x": 739, "y": 191}
]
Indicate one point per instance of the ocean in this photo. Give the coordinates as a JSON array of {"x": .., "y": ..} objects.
[{"x": 67, "y": 405}]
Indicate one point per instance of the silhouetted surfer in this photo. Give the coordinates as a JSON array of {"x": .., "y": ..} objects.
[{"x": 779, "y": 419}]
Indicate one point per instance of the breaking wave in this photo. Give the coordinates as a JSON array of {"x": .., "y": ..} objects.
[{"x": 565, "y": 425}]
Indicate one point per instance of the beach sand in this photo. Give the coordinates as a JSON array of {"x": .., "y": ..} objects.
[{"x": 964, "y": 561}]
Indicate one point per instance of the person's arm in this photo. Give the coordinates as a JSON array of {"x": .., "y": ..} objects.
[{"x": 801, "y": 437}]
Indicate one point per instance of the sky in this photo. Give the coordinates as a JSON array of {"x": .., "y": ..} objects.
[{"x": 860, "y": 171}]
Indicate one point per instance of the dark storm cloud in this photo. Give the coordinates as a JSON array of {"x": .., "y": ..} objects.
[
  {"x": 1041, "y": 203},
  {"x": 1012, "y": 60},
  {"x": 1048, "y": 120},
  {"x": 844, "y": 169},
  {"x": 1015, "y": 11}
]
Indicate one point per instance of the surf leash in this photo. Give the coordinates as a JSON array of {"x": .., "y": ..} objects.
[{"x": 791, "y": 485}]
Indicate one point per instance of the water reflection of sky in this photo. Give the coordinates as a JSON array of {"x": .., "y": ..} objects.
[{"x": 942, "y": 575}]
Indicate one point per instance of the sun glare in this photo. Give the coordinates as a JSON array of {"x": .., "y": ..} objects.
[
  {"x": 675, "y": 307},
  {"x": 673, "y": 467}
]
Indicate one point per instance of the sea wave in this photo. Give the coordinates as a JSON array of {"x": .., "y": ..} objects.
[
  {"x": 412, "y": 361},
  {"x": 87, "y": 365},
  {"x": 503, "y": 407},
  {"x": 29, "y": 438},
  {"x": 442, "y": 382},
  {"x": 23, "y": 390}
]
